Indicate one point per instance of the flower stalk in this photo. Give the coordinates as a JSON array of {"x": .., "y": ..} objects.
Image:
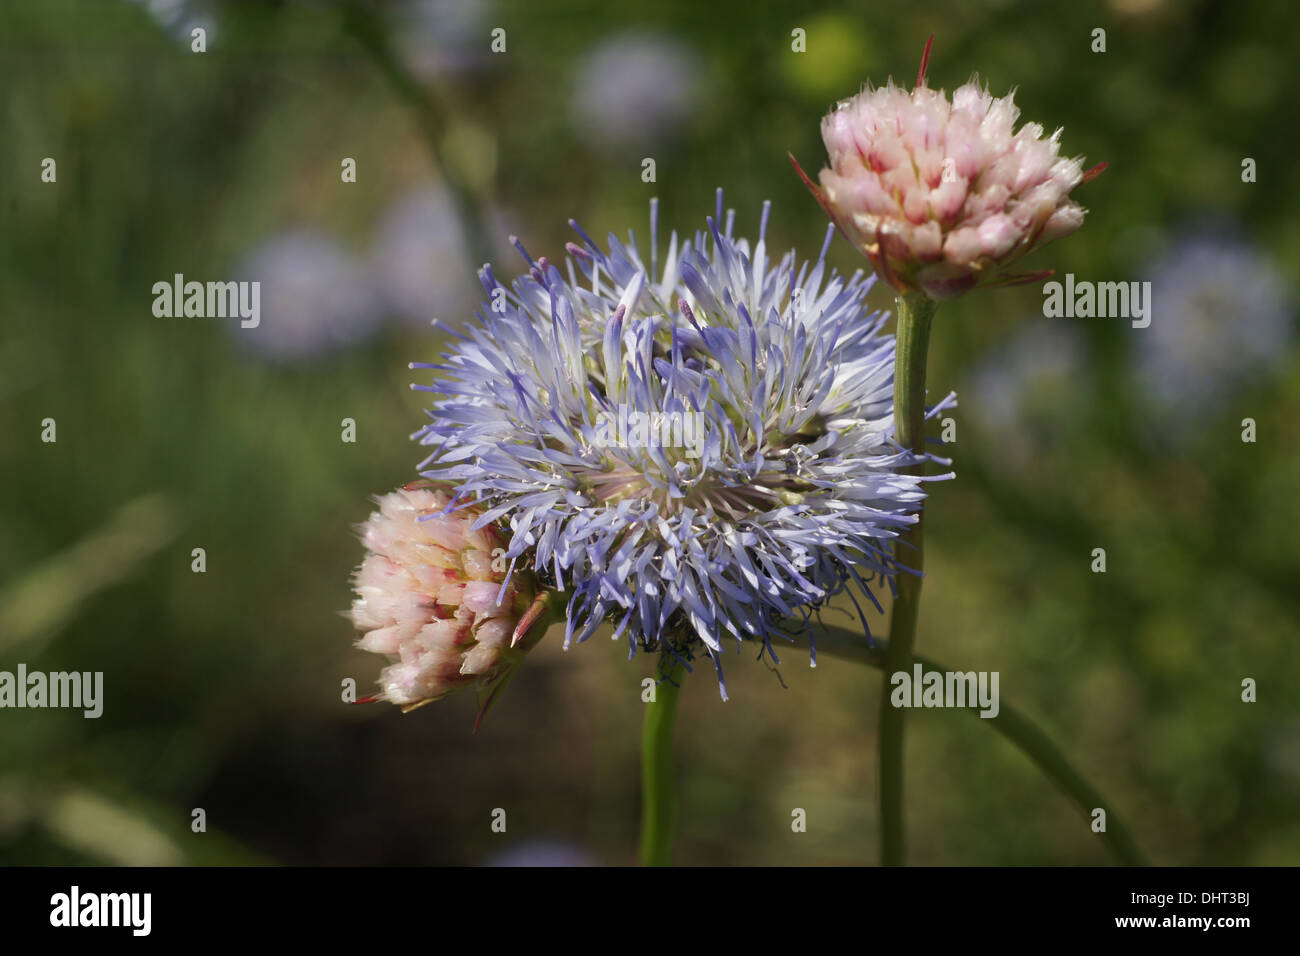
[
  {"x": 658, "y": 793},
  {"x": 433, "y": 118},
  {"x": 915, "y": 313},
  {"x": 1018, "y": 729}
]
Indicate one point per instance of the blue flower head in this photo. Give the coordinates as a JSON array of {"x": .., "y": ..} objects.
[{"x": 699, "y": 449}]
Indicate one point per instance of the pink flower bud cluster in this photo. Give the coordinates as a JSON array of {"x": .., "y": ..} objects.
[
  {"x": 427, "y": 596},
  {"x": 943, "y": 196}
]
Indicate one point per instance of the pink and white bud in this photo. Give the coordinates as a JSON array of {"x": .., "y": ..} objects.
[
  {"x": 943, "y": 195},
  {"x": 429, "y": 598}
]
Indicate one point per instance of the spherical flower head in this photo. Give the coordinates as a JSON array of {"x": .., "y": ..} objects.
[
  {"x": 944, "y": 195},
  {"x": 430, "y": 597},
  {"x": 316, "y": 298},
  {"x": 635, "y": 91},
  {"x": 699, "y": 450},
  {"x": 1224, "y": 321},
  {"x": 1028, "y": 390},
  {"x": 418, "y": 255}
]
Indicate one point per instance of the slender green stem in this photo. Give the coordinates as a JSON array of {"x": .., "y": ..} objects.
[
  {"x": 915, "y": 312},
  {"x": 368, "y": 28},
  {"x": 1020, "y": 730},
  {"x": 658, "y": 796}
]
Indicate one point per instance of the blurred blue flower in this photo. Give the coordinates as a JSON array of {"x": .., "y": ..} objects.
[
  {"x": 634, "y": 91},
  {"x": 1029, "y": 388},
  {"x": 179, "y": 17},
  {"x": 435, "y": 38},
  {"x": 542, "y": 853},
  {"x": 316, "y": 297},
  {"x": 776, "y": 484},
  {"x": 1220, "y": 317},
  {"x": 419, "y": 258}
]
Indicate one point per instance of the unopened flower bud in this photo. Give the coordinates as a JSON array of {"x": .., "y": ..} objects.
[
  {"x": 942, "y": 196},
  {"x": 430, "y": 597}
]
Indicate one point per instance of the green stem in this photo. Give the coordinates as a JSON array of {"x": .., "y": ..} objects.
[
  {"x": 369, "y": 30},
  {"x": 915, "y": 312},
  {"x": 658, "y": 804},
  {"x": 1020, "y": 730}
]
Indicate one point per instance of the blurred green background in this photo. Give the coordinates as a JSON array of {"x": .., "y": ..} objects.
[{"x": 222, "y": 689}]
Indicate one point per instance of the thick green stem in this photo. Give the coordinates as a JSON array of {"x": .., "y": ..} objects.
[
  {"x": 1020, "y": 730},
  {"x": 658, "y": 795},
  {"x": 915, "y": 312}
]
